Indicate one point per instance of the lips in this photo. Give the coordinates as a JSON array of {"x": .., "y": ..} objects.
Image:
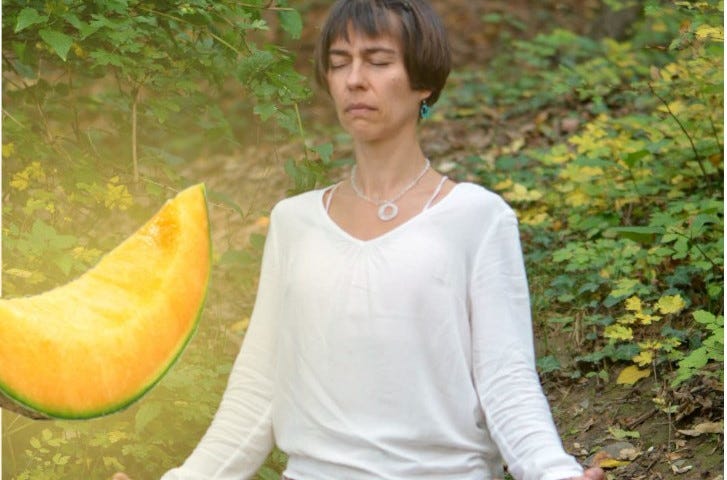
[{"x": 359, "y": 108}]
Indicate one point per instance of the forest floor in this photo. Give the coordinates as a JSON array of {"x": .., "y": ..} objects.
[{"x": 624, "y": 428}]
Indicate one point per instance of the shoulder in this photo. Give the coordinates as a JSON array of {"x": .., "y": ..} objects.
[
  {"x": 302, "y": 204},
  {"x": 478, "y": 200}
]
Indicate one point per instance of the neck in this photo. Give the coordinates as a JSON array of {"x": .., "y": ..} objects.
[{"x": 382, "y": 170}]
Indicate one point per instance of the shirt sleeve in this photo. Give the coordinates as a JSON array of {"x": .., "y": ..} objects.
[
  {"x": 241, "y": 436},
  {"x": 517, "y": 412}
]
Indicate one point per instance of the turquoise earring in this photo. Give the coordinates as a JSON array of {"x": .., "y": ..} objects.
[{"x": 425, "y": 111}]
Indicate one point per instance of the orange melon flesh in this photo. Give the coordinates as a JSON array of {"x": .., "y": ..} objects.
[{"x": 98, "y": 343}]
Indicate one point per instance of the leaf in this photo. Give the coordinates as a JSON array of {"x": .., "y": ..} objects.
[
  {"x": 112, "y": 462},
  {"x": 620, "y": 434},
  {"x": 625, "y": 286},
  {"x": 632, "y": 374},
  {"x": 292, "y": 22},
  {"x": 604, "y": 460},
  {"x": 707, "y": 318},
  {"x": 267, "y": 473},
  {"x": 618, "y": 332},
  {"x": 146, "y": 414},
  {"x": 106, "y": 58},
  {"x": 671, "y": 304},
  {"x": 548, "y": 364},
  {"x": 702, "y": 428},
  {"x": 712, "y": 33},
  {"x": 257, "y": 240},
  {"x": 644, "y": 358},
  {"x": 59, "y": 42},
  {"x": 59, "y": 459},
  {"x": 633, "y": 304},
  {"x": 633, "y": 158},
  {"x": 27, "y": 17},
  {"x": 265, "y": 110},
  {"x": 325, "y": 151},
  {"x": 641, "y": 234},
  {"x": 612, "y": 463}
]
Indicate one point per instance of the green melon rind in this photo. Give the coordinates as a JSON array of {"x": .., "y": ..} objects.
[{"x": 13, "y": 401}]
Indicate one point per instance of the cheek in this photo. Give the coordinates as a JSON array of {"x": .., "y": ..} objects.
[{"x": 336, "y": 97}]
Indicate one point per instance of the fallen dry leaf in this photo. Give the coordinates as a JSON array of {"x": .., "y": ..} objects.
[
  {"x": 631, "y": 375},
  {"x": 609, "y": 463},
  {"x": 629, "y": 454},
  {"x": 678, "y": 468},
  {"x": 604, "y": 460},
  {"x": 673, "y": 456},
  {"x": 702, "y": 428}
]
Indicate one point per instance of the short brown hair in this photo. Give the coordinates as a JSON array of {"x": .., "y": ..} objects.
[{"x": 422, "y": 34}]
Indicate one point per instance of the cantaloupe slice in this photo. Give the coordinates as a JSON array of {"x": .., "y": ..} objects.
[{"x": 98, "y": 343}]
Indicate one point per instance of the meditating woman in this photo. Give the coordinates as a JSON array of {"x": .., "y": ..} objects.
[{"x": 391, "y": 336}]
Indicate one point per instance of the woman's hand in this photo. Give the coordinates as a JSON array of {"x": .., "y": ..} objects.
[
  {"x": 120, "y": 476},
  {"x": 590, "y": 474}
]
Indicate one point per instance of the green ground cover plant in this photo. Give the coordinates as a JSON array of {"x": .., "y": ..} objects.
[{"x": 623, "y": 217}]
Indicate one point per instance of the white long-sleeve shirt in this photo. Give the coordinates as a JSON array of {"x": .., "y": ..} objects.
[{"x": 408, "y": 356}]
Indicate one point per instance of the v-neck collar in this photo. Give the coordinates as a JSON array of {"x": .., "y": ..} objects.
[{"x": 391, "y": 232}]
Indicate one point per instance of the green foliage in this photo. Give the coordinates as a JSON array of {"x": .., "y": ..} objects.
[
  {"x": 629, "y": 207},
  {"x": 711, "y": 350},
  {"x": 105, "y": 105}
]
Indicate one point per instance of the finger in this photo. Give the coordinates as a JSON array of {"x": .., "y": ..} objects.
[
  {"x": 120, "y": 476},
  {"x": 594, "y": 474}
]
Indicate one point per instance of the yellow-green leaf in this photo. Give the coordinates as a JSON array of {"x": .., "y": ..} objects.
[
  {"x": 631, "y": 375},
  {"x": 707, "y": 31},
  {"x": 671, "y": 304},
  {"x": 644, "y": 358},
  {"x": 646, "y": 318},
  {"x": 620, "y": 434},
  {"x": 612, "y": 463},
  {"x": 618, "y": 332},
  {"x": 633, "y": 304}
]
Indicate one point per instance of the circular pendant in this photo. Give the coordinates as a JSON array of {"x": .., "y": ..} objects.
[{"x": 387, "y": 211}]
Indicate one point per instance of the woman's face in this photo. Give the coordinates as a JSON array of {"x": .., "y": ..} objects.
[{"x": 370, "y": 87}]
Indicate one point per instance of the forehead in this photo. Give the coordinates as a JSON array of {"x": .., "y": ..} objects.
[{"x": 359, "y": 41}]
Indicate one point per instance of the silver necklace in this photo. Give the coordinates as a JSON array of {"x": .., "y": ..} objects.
[{"x": 387, "y": 208}]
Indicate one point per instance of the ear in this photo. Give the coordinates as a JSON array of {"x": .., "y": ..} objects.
[{"x": 424, "y": 94}]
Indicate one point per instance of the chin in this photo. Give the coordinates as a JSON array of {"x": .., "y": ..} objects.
[{"x": 363, "y": 133}]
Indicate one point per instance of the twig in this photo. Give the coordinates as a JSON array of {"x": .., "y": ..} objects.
[
  {"x": 641, "y": 419},
  {"x": 716, "y": 136},
  {"x": 243, "y": 215},
  {"x": 270, "y": 6},
  {"x": 134, "y": 140},
  {"x": 652, "y": 463},
  {"x": 6, "y": 113},
  {"x": 697, "y": 156},
  {"x": 213, "y": 35},
  {"x": 301, "y": 131},
  {"x": 696, "y": 245}
]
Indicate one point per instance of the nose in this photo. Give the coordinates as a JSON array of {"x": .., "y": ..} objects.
[{"x": 355, "y": 78}]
